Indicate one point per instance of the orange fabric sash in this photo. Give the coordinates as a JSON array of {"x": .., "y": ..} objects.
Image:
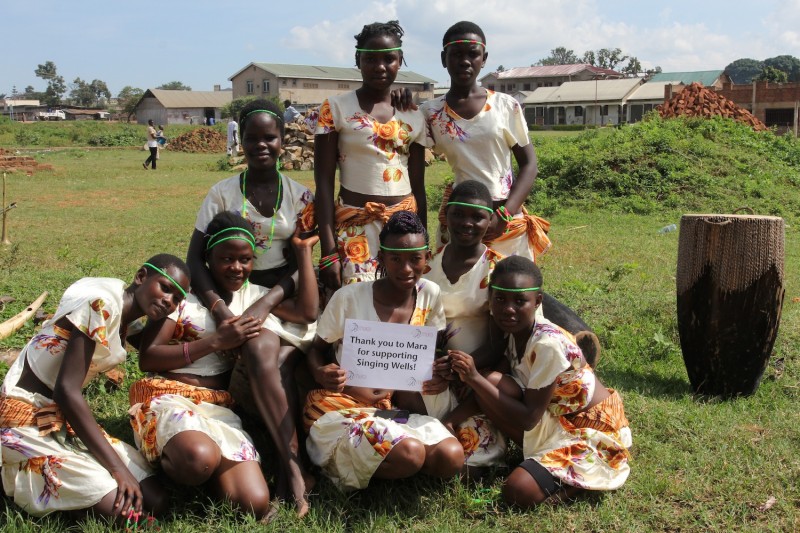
[
  {"x": 321, "y": 401},
  {"x": 146, "y": 389},
  {"x": 534, "y": 227},
  {"x": 348, "y": 216},
  {"x": 607, "y": 416},
  {"x": 16, "y": 413}
]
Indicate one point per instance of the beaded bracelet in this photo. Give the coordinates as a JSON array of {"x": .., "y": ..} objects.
[
  {"x": 186, "y": 353},
  {"x": 503, "y": 213},
  {"x": 218, "y": 300},
  {"x": 328, "y": 260}
]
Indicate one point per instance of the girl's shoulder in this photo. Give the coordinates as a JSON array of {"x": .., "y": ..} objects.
[
  {"x": 434, "y": 104},
  {"x": 228, "y": 184},
  {"x": 88, "y": 289},
  {"x": 427, "y": 289},
  {"x": 501, "y": 101},
  {"x": 294, "y": 188}
]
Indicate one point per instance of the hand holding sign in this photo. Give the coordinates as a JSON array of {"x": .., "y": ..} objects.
[{"x": 387, "y": 356}]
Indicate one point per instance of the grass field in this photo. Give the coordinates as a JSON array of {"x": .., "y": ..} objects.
[{"x": 698, "y": 464}]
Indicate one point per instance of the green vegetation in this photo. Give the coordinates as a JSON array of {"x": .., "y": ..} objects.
[{"x": 698, "y": 464}]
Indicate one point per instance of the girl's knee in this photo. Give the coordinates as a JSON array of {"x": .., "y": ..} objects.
[
  {"x": 408, "y": 456},
  {"x": 445, "y": 459},
  {"x": 190, "y": 459},
  {"x": 262, "y": 351},
  {"x": 156, "y": 499},
  {"x": 521, "y": 489},
  {"x": 252, "y": 499}
]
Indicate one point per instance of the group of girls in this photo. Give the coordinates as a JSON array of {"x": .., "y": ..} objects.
[{"x": 250, "y": 319}]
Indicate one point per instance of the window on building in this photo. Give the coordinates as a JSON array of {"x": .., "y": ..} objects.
[
  {"x": 308, "y": 85},
  {"x": 578, "y": 111},
  {"x": 344, "y": 85},
  {"x": 283, "y": 82},
  {"x": 250, "y": 87},
  {"x": 512, "y": 87},
  {"x": 526, "y": 86},
  {"x": 264, "y": 86},
  {"x": 604, "y": 111},
  {"x": 294, "y": 83},
  {"x": 502, "y": 88}
]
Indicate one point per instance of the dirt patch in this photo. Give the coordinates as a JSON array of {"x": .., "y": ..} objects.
[
  {"x": 11, "y": 162},
  {"x": 199, "y": 141}
]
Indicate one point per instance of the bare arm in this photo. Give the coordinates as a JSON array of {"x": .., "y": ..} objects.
[
  {"x": 416, "y": 175},
  {"x": 326, "y": 148},
  {"x": 304, "y": 308},
  {"x": 528, "y": 169},
  {"x": 67, "y": 394},
  {"x": 158, "y": 355}
]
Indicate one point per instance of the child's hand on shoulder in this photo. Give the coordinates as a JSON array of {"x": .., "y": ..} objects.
[
  {"x": 304, "y": 240},
  {"x": 330, "y": 377},
  {"x": 464, "y": 365}
]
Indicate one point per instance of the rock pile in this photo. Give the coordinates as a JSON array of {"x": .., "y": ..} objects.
[
  {"x": 200, "y": 140},
  {"x": 697, "y": 101},
  {"x": 298, "y": 147},
  {"x": 11, "y": 162}
]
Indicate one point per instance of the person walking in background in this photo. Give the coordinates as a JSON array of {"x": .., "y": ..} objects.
[
  {"x": 152, "y": 145},
  {"x": 233, "y": 137},
  {"x": 290, "y": 114}
]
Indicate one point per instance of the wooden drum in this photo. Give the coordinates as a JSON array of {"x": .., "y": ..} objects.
[{"x": 730, "y": 295}]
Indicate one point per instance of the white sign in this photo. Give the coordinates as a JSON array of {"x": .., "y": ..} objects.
[{"x": 387, "y": 356}]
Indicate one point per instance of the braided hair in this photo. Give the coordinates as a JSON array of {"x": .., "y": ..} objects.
[
  {"x": 390, "y": 29},
  {"x": 402, "y": 223},
  {"x": 261, "y": 105},
  {"x": 227, "y": 220},
  {"x": 165, "y": 261},
  {"x": 516, "y": 264},
  {"x": 462, "y": 28}
]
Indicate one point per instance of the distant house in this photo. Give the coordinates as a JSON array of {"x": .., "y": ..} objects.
[
  {"x": 309, "y": 85},
  {"x": 181, "y": 107},
  {"x": 86, "y": 114},
  {"x": 707, "y": 78},
  {"x": 531, "y": 78},
  {"x": 598, "y": 102},
  {"x": 775, "y": 104},
  {"x": 20, "y": 108},
  {"x": 644, "y": 99}
]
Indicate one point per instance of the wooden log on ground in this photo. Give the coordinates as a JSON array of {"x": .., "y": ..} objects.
[{"x": 14, "y": 323}]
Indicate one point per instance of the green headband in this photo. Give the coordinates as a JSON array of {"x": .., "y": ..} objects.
[
  {"x": 417, "y": 249},
  {"x": 251, "y": 240},
  {"x": 465, "y": 41},
  {"x": 264, "y": 111},
  {"x": 476, "y": 206},
  {"x": 524, "y": 289},
  {"x": 167, "y": 276},
  {"x": 379, "y": 49}
]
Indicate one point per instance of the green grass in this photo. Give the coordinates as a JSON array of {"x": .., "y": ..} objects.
[{"x": 698, "y": 464}]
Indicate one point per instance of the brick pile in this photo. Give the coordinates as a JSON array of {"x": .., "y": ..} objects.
[
  {"x": 199, "y": 141},
  {"x": 697, "y": 101},
  {"x": 11, "y": 162}
]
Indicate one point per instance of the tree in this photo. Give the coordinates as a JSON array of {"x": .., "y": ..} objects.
[
  {"x": 55, "y": 83},
  {"x": 773, "y": 75},
  {"x": 501, "y": 68},
  {"x": 787, "y": 64},
  {"x": 744, "y": 70},
  {"x": 174, "y": 86},
  {"x": 128, "y": 98},
  {"x": 559, "y": 56},
  {"x": 100, "y": 91},
  {"x": 81, "y": 93}
]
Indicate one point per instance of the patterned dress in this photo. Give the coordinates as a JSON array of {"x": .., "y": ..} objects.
[
  {"x": 345, "y": 438},
  {"x": 46, "y": 467},
  {"x": 480, "y": 149},
  {"x": 296, "y": 208},
  {"x": 466, "y": 308},
  {"x": 587, "y": 449},
  {"x": 373, "y": 160},
  {"x": 162, "y": 408}
]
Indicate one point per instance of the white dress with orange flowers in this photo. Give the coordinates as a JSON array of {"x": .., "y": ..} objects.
[
  {"x": 587, "y": 449},
  {"x": 55, "y": 472},
  {"x": 296, "y": 207},
  {"x": 466, "y": 308},
  {"x": 373, "y": 159},
  {"x": 350, "y": 444},
  {"x": 480, "y": 149}
]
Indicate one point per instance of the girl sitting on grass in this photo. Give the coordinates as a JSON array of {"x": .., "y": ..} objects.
[
  {"x": 349, "y": 436},
  {"x": 572, "y": 429},
  {"x": 181, "y": 416},
  {"x": 275, "y": 206},
  {"x": 55, "y": 455}
]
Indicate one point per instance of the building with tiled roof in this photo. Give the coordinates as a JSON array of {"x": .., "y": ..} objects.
[{"x": 531, "y": 78}]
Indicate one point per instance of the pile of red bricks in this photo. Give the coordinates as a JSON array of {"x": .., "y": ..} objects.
[
  {"x": 11, "y": 162},
  {"x": 697, "y": 101}
]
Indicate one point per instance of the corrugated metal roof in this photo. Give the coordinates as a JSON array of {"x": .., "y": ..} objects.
[
  {"x": 705, "y": 77},
  {"x": 603, "y": 91},
  {"x": 329, "y": 73},
  {"x": 652, "y": 90},
  {"x": 539, "y": 96},
  {"x": 553, "y": 70},
  {"x": 181, "y": 99}
]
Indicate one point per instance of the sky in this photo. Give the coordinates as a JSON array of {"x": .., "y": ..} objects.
[{"x": 202, "y": 43}]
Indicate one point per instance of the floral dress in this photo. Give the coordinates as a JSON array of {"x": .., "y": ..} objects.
[
  {"x": 373, "y": 160},
  {"x": 345, "y": 437},
  {"x": 46, "y": 467},
  {"x": 582, "y": 448},
  {"x": 466, "y": 308}
]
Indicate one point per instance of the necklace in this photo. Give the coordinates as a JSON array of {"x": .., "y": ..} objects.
[{"x": 274, "y": 212}]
